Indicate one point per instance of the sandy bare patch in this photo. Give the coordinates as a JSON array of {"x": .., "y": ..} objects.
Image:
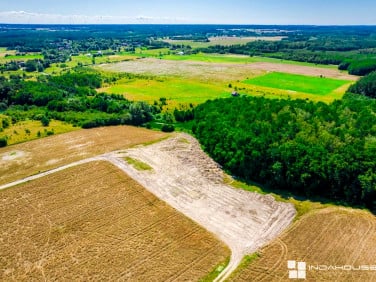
[
  {"x": 12, "y": 155},
  {"x": 186, "y": 178},
  {"x": 12, "y": 158}
]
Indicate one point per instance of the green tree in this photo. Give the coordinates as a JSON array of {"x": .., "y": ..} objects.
[{"x": 45, "y": 121}]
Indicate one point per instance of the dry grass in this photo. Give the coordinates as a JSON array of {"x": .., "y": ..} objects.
[
  {"x": 139, "y": 165},
  {"x": 332, "y": 236},
  {"x": 29, "y": 158},
  {"x": 94, "y": 222},
  {"x": 28, "y": 130}
]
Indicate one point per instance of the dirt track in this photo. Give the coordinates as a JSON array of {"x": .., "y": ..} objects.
[{"x": 187, "y": 179}]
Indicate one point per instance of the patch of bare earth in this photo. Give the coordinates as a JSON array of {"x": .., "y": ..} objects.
[
  {"x": 93, "y": 222},
  {"x": 187, "y": 179},
  {"x": 333, "y": 236},
  {"x": 30, "y": 158}
]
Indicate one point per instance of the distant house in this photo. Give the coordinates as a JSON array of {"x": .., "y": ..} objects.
[
  {"x": 235, "y": 94},
  {"x": 181, "y": 53}
]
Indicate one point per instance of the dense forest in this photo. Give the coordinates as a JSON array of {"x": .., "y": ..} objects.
[{"x": 312, "y": 149}]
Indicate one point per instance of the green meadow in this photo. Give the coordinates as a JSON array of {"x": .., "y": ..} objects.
[
  {"x": 30, "y": 56},
  {"x": 175, "y": 90},
  {"x": 298, "y": 83}
]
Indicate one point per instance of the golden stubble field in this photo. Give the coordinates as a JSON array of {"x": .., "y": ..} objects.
[
  {"x": 332, "y": 236},
  {"x": 30, "y": 158},
  {"x": 94, "y": 221}
]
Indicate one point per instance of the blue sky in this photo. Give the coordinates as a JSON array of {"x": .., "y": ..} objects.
[{"x": 319, "y": 12}]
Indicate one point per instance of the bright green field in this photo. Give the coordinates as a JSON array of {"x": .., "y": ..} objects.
[
  {"x": 30, "y": 56},
  {"x": 28, "y": 130},
  {"x": 298, "y": 83},
  {"x": 173, "y": 89}
]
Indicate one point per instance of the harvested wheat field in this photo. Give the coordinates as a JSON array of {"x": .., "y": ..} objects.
[
  {"x": 30, "y": 158},
  {"x": 94, "y": 221},
  {"x": 333, "y": 236}
]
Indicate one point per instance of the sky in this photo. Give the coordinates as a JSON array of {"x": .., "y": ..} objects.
[{"x": 316, "y": 12}]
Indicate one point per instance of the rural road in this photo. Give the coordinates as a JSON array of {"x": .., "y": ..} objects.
[{"x": 188, "y": 180}]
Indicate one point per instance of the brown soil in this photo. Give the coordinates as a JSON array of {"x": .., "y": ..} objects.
[
  {"x": 333, "y": 236},
  {"x": 94, "y": 222}
]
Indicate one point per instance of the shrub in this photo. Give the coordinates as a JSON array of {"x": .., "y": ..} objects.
[
  {"x": 45, "y": 121},
  {"x": 168, "y": 128},
  {"x": 3, "y": 142}
]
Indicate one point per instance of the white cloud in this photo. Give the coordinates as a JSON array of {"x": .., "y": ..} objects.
[{"x": 22, "y": 17}]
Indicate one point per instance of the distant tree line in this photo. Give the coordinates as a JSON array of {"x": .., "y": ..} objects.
[
  {"x": 355, "y": 52},
  {"x": 366, "y": 86}
]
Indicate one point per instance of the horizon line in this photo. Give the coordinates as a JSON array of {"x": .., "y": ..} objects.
[{"x": 223, "y": 24}]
